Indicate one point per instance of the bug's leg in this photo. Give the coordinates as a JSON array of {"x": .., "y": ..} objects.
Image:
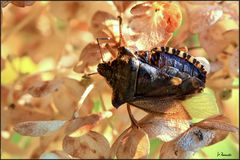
[
  {"x": 121, "y": 38},
  {"x": 133, "y": 120},
  {"x": 109, "y": 48},
  {"x": 100, "y": 46}
]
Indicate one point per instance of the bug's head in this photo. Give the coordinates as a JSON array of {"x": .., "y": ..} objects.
[{"x": 105, "y": 70}]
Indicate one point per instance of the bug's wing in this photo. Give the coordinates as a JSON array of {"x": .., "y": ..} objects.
[{"x": 202, "y": 105}]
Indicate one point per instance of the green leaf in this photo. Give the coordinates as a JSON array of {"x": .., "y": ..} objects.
[
  {"x": 202, "y": 106},
  {"x": 154, "y": 143},
  {"x": 16, "y": 138},
  {"x": 97, "y": 106}
]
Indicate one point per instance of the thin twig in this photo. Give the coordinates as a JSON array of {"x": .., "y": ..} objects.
[{"x": 80, "y": 102}]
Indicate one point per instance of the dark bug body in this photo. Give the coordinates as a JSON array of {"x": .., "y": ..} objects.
[{"x": 145, "y": 79}]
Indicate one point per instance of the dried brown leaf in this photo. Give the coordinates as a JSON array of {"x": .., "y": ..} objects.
[
  {"x": 38, "y": 128},
  {"x": 99, "y": 19},
  {"x": 140, "y": 9},
  {"x": 90, "y": 56},
  {"x": 117, "y": 143},
  {"x": 134, "y": 145},
  {"x": 92, "y": 119},
  {"x": 213, "y": 36},
  {"x": 232, "y": 36},
  {"x": 188, "y": 143},
  {"x": 19, "y": 114},
  {"x": 234, "y": 63},
  {"x": 45, "y": 142},
  {"x": 122, "y": 5},
  {"x": 156, "y": 25},
  {"x": 43, "y": 88},
  {"x": 90, "y": 145},
  {"x": 55, "y": 155},
  {"x": 166, "y": 127},
  {"x": 203, "y": 17},
  {"x": 219, "y": 122},
  {"x": 204, "y": 133},
  {"x": 23, "y": 3},
  {"x": 66, "y": 98}
]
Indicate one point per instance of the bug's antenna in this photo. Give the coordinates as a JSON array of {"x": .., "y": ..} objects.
[
  {"x": 90, "y": 74},
  {"x": 120, "y": 31},
  {"x": 100, "y": 47}
]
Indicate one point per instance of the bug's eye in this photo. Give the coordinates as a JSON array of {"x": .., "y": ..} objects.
[
  {"x": 123, "y": 50},
  {"x": 105, "y": 69}
]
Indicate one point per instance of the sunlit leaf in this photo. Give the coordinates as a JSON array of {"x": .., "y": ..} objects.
[
  {"x": 134, "y": 145},
  {"x": 23, "y": 3},
  {"x": 202, "y": 105},
  {"x": 204, "y": 133},
  {"x": 38, "y": 128},
  {"x": 43, "y": 88},
  {"x": 202, "y": 18},
  {"x": 166, "y": 127},
  {"x": 55, "y": 155},
  {"x": 122, "y": 5},
  {"x": 92, "y": 119},
  {"x": 90, "y": 145}
]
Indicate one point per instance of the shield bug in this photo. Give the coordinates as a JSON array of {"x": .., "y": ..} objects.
[{"x": 152, "y": 80}]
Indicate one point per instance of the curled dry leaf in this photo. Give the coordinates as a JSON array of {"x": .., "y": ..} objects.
[
  {"x": 55, "y": 155},
  {"x": 203, "y": 17},
  {"x": 92, "y": 119},
  {"x": 67, "y": 97},
  {"x": 232, "y": 36},
  {"x": 90, "y": 56},
  {"x": 234, "y": 63},
  {"x": 204, "y": 133},
  {"x": 219, "y": 122},
  {"x": 91, "y": 145},
  {"x": 122, "y": 5},
  {"x": 43, "y": 88},
  {"x": 100, "y": 17},
  {"x": 19, "y": 114},
  {"x": 23, "y": 3},
  {"x": 166, "y": 127},
  {"x": 186, "y": 144},
  {"x": 45, "y": 142},
  {"x": 134, "y": 145},
  {"x": 214, "y": 35},
  {"x": 105, "y": 25},
  {"x": 156, "y": 25},
  {"x": 140, "y": 9},
  {"x": 38, "y": 128}
]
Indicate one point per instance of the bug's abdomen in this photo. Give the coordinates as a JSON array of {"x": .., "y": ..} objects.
[
  {"x": 168, "y": 72},
  {"x": 180, "y": 60}
]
